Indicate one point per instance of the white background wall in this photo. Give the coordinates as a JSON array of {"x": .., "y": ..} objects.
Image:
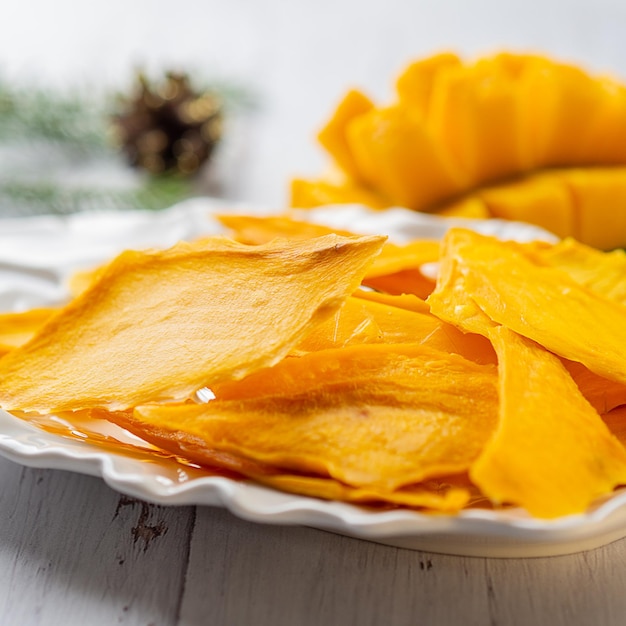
[{"x": 299, "y": 55}]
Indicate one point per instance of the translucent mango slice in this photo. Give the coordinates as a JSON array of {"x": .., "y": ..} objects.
[
  {"x": 551, "y": 453},
  {"x": 18, "y": 328},
  {"x": 368, "y": 416},
  {"x": 333, "y": 135},
  {"x": 496, "y": 280},
  {"x": 368, "y": 321},
  {"x": 603, "y": 394},
  {"x": 160, "y": 325}
]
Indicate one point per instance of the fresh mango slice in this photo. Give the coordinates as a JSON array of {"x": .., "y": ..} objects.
[
  {"x": 369, "y": 416},
  {"x": 474, "y": 113},
  {"x": 551, "y": 453},
  {"x": 399, "y": 155},
  {"x": 497, "y": 283},
  {"x": 541, "y": 199},
  {"x": 160, "y": 325},
  {"x": 333, "y": 135},
  {"x": 417, "y": 82}
]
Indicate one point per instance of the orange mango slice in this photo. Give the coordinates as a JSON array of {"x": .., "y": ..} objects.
[
  {"x": 551, "y": 453},
  {"x": 160, "y": 325},
  {"x": 369, "y": 416},
  {"x": 502, "y": 285}
]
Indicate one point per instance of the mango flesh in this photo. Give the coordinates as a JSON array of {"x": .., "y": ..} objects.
[{"x": 513, "y": 136}]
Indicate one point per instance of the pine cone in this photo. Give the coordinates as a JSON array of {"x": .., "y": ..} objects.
[{"x": 168, "y": 128}]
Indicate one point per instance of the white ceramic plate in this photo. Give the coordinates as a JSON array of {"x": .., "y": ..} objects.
[{"x": 38, "y": 254}]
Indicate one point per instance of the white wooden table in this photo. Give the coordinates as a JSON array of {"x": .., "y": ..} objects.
[{"x": 72, "y": 551}]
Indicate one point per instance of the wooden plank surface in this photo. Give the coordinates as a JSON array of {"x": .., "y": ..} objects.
[{"x": 74, "y": 552}]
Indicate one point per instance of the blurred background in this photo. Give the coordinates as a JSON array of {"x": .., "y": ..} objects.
[{"x": 283, "y": 64}]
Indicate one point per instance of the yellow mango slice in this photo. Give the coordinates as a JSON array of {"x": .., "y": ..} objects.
[
  {"x": 474, "y": 113},
  {"x": 605, "y": 141},
  {"x": 369, "y": 321},
  {"x": 439, "y": 495},
  {"x": 471, "y": 207},
  {"x": 352, "y": 323},
  {"x": 551, "y": 452},
  {"x": 399, "y": 156},
  {"x": 601, "y": 272},
  {"x": 369, "y": 416},
  {"x": 544, "y": 200},
  {"x": 603, "y": 394},
  {"x": 500, "y": 283},
  {"x": 333, "y": 135},
  {"x": 160, "y": 325},
  {"x": 416, "y": 83},
  {"x": 253, "y": 229},
  {"x": 559, "y": 100},
  {"x": 17, "y": 328},
  {"x": 599, "y": 197}
]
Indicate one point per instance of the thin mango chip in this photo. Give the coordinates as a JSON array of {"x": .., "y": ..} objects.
[
  {"x": 497, "y": 282},
  {"x": 371, "y": 416},
  {"x": 160, "y": 325},
  {"x": 551, "y": 453}
]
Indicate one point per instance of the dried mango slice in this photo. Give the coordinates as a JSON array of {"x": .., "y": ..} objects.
[
  {"x": 395, "y": 270},
  {"x": 539, "y": 302},
  {"x": 369, "y": 416},
  {"x": 601, "y": 272},
  {"x": 370, "y": 321},
  {"x": 551, "y": 452},
  {"x": 17, "y": 328},
  {"x": 160, "y": 325},
  {"x": 443, "y": 495},
  {"x": 253, "y": 229}
]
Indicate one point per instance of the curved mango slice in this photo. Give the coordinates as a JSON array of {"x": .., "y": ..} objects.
[
  {"x": 503, "y": 121},
  {"x": 160, "y": 325},
  {"x": 571, "y": 321},
  {"x": 551, "y": 453},
  {"x": 416, "y": 404}
]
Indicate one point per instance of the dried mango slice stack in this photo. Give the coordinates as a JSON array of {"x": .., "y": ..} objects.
[
  {"x": 512, "y": 136},
  {"x": 504, "y": 387}
]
